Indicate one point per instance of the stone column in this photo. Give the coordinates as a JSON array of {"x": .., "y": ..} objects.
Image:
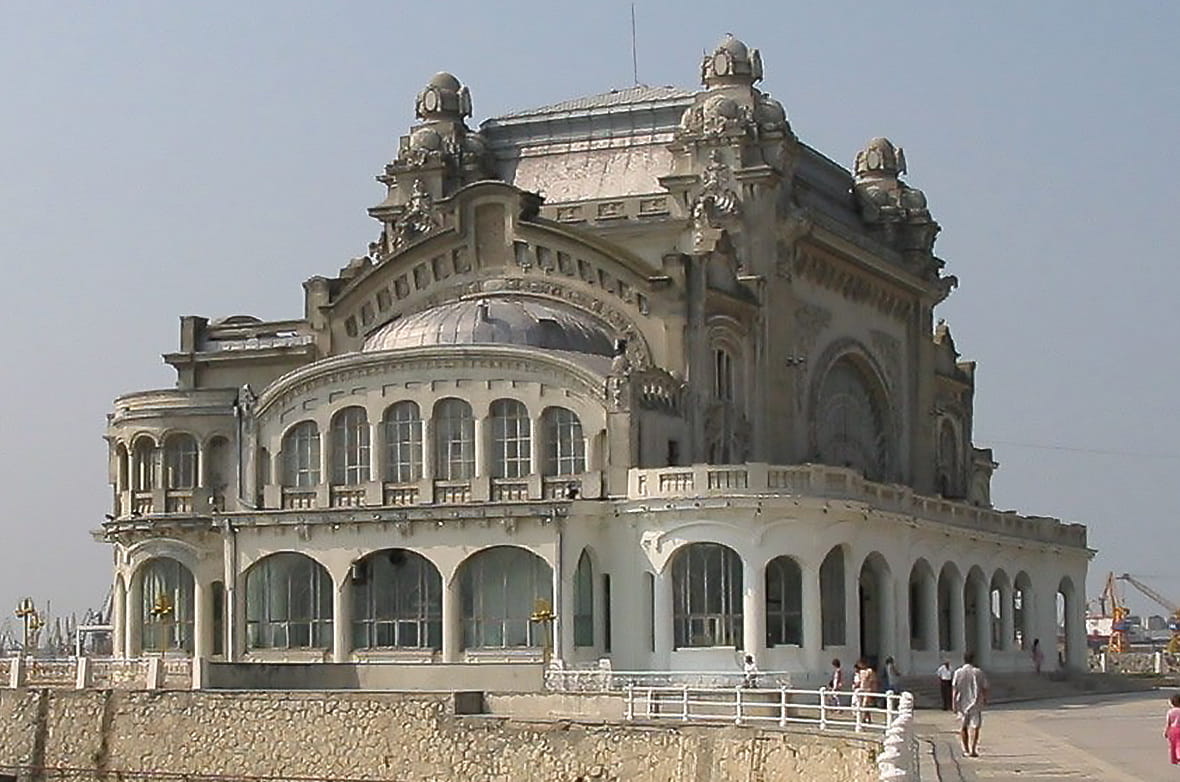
[
  {"x": 342, "y": 620},
  {"x": 958, "y": 620},
  {"x": 537, "y": 445},
  {"x": 452, "y": 622},
  {"x": 851, "y": 607},
  {"x": 119, "y": 619},
  {"x": 753, "y": 609},
  {"x": 482, "y": 464},
  {"x": 202, "y": 625},
  {"x": 662, "y": 618},
  {"x": 376, "y": 449},
  {"x": 930, "y": 598},
  {"x": 134, "y": 617},
  {"x": 983, "y": 623},
  {"x": 1007, "y": 619},
  {"x": 235, "y": 636},
  {"x": 812, "y": 619},
  {"x": 427, "y": 431}
]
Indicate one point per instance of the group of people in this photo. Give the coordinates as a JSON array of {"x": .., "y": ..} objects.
[{"x": 866, "y": 685}]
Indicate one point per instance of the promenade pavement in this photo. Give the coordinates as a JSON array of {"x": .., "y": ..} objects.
[{"x": 1113, "y": 738}]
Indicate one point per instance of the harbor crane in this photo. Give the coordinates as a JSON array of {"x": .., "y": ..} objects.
[
  {"x": 1110, "y": 601},
  {"x": 1172, "y": 609}
]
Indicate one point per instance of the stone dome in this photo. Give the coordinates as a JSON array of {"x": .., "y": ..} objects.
[
  {"x": 732, "y": 62},
  {"x": 443, "y": 98},
  {"x": 497, "y": 320}
]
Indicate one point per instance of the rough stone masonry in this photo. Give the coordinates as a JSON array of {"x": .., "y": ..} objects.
[{"x": 397, "y": 737}]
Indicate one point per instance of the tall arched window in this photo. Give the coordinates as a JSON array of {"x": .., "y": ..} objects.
[
  {"x": 833, "y": 625},
  {"x": 397, "y": 601},
  {"x": 584, "y": 602},
  {"x": 288, "y": 603},
  {"x": 166, "y": 617},
  {"x": 499, "y": 588},
  {"x": 707, "y": 596},
  {"x": 511, "y": 445},
  {"x": 454, "y": 440},
  {"x": 565, "y": 447},
  {"x": 784, "y": 602},
  {"x": 850, "y": 422},
  {"x": 403, "y": 443},
  {"x": 180, "y": 461},
  {"x": 350, "y": 447},
  {"x": 723, "y": 375},
  {"x": 142, "y": 465},
  {"x": 301, "y": 455}
]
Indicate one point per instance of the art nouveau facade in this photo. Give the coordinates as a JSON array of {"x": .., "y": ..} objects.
[{"x": 644, "y": 356}]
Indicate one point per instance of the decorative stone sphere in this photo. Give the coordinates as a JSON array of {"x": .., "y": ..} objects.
[
  {"x": 880, "y": 157},
  {"x": 443, "y": 98},
  {"x": 769, "y": 113},
  {"x": 732, "y": 62}
]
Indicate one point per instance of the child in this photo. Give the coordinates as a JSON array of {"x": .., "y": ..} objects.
[{"x": 1172, "y": 729}]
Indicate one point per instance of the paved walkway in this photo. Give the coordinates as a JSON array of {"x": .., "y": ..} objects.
[{"x": 1113, "y": 738}]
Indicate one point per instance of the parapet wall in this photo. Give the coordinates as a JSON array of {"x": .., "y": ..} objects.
[{"x": 388, "y": 736}]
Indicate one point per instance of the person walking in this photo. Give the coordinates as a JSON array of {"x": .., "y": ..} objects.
[
  {"x": 969, "y": 693},
  {"x": 890, "y": 676},
  {"x": 945, "y": 674},
  {"x": 1172, "y": 730},
  {"x": 836, "y": 683},
  {"x": 1038, "y": 656}
]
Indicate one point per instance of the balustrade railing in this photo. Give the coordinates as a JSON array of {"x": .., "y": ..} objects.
[
  {"x": 299, "y": 499},
  {"x": 452, "y": 492},
  {"x": 509, "y": 490},
  {"x": 763, "y": 706},
  {"x": 401, "y": 494},
  {"x": 347, "y": 497},
  {"x": 823, "y": 481}
]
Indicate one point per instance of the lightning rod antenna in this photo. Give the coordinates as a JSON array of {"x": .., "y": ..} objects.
[{"x": 634, "y": 48}]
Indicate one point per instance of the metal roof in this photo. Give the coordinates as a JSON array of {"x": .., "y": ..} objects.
[
  {"x": 501, "y": 320},
  {"x": 639, "y": 94}
]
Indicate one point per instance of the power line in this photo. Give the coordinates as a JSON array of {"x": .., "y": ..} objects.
[{"x": 1076, "y": 449}]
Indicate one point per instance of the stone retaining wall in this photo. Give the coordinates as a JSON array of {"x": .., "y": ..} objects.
[{"x": 390, "y": 736}]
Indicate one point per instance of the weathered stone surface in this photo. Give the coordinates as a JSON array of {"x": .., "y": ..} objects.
[{"x": 390, "y": 736}]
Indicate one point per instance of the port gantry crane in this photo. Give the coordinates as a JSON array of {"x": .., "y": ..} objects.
[
  {"x": 1168, "y": 605},
  {"x": 1110, "y": 600}
]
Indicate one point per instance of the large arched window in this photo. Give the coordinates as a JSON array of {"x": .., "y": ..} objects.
[
  {"x": 511, "y": 444},
  {"x": 166, "y": 615},
  {"x": 707, "y": 596},
  {"x": 832, "y": 607},
  {"x": 288, "y": 603},
  {"x": 301, "y": 455},
  {"x": 584, "y": 601},
  {"x": 454, "y": 440},
  {"x": 403, "y": 443},
  {"x": 850, "y": 422},
  {"x": 784, "y": 602},
  {"x": 499, "y": 588},
  {"x": 142, "y": 466},
  {"x": 723, "y": 375},
  {"x": 180, "y": 461},
  {"x": 396, "y": 601},
  {"x": 565, "y": 447},
  {"x": 350, "y": 447}
]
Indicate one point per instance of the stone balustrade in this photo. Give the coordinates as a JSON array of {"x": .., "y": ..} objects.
[
  {"x": 149, "y": 673},
  {"x": 838, "y": 483}
]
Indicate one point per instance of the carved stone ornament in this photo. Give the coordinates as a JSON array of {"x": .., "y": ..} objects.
[
  {"x": 247, "y": 401},
  {"x": 898, "y": 211},
  {"x": 417, "y": 219},
  {"x": 718, "y": 199}
]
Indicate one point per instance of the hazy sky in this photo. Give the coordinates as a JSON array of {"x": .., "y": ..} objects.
[{"x": 159, "y": 160}]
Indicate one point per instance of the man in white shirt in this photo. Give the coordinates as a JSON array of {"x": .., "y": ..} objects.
[
  {"x": 945, "y": 674},
  {"x": 970, "y": 695}
]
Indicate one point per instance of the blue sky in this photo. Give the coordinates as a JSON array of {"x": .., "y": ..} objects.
[{"x": 160, "y": 159}]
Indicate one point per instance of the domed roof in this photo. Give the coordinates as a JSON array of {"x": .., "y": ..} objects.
[
  {"x": 497, "y": 320},
  {"x": 444, "y": 81}
]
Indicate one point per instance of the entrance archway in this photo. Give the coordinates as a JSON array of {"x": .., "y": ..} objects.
[
  {"x": 950, "y": 608},
  {"x": 876, "y": 609},
  {"x": 976, "y": 615},
  {"x": 1067, "y": 622}
]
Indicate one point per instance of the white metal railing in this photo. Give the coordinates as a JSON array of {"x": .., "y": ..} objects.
[
  {"x": 783, "y": 706},
  {"x": 607, "y": 680}
]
